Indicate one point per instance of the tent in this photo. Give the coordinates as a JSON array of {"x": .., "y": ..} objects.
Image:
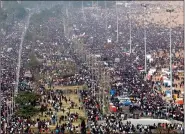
[
  {"x": 113, "y": 108},
  {"x": 164, "y": 70},
  {"x": 117, "y": 60},
  {"x": 109, "y": 40},
  {"x": 151, "y": 59},
  {"x": 149, "y": 77},
  {"x": 168, "y": 92},
  {"x": 180, "y": 102},
  {"x": 9, "y": 49},
  {"x": 152, "y": 71},
  {"x": 28, "y": 74},
  {"x": 167, "y": 82},
  {"x": 140, "y": 68},
  {"x": 148, "y": 56},
  {"x": 119, "y": 84},
  {"x": 126, "y": 103}
]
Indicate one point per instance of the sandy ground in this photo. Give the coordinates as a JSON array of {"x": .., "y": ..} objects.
[
  {"x": 74, "y": 98},
  {"x": 156, "y": 13}
]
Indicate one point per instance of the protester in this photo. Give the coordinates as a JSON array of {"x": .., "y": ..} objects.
[{"x": 98, "y": 39}]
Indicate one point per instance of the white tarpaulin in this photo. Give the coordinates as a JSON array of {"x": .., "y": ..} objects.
[
  {"x": 28, "y": 74},
  {"x": 119, "y": 84},
  {"x": 97, "y": 55},
  {"x": 167, "y": 82},
  {"x": 151, "y": 59},
  {"x": 109, "y": 40},
  {"x": 151, "y": 71},
  {"x": 117, "y": 60},
  {"x": 9, "y": 49},
  {"x": 164, "y": 69},
  {"x": 148, "y": 56},
  {"x": 106, "y": 64}
]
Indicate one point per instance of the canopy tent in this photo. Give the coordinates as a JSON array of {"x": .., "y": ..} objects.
[
  {"x": 28, "y": 74},
  {"x": 152, "y": 71},
  {"x": 167, "y": 82},
  {"x": 149, "y": 77},
  {"x": 180, "y": 102},
  {"x": 113, "y": 108},
  {"x": 117, "y": 60},
  {"x": 109, "y": 40},
  {"x": 148, "y": 56},
  {"x": 165, "y": 71},
  {"x": 140, "y": 68},
  {"x": 9, "y": 49}
]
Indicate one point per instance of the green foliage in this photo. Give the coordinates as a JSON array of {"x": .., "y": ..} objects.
[
  {"x": 27, "y": 111},
  {"x": 85, "y": 87},
  {"x": 26, "y": 102},
  {"x": 26, "y": 98}
]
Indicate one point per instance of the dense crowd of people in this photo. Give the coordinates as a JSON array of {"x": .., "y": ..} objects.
[{"x": 99, "y": 38}]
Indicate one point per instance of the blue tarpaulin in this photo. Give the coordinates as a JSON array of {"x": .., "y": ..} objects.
[
  {"x": 126, "y": 103},
  {"x": 112, "y": 92},
  {"x": 168, "y": 93}
]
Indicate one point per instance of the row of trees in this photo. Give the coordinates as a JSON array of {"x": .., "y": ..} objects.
[{"x": 27, "y": 104}]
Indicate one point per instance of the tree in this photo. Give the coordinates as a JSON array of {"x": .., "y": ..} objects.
[{"x": 26, "y": 102}]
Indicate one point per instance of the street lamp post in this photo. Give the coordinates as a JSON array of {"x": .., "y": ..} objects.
[
  {"x": 117, "y": 36},
  {"x": 145, "y": 6},
  {"x": 105, "y": 2},
  {"x": 171, "y": 86},
  {"x": 83, "y": 11},
  {"x": 130, "y": 28}
]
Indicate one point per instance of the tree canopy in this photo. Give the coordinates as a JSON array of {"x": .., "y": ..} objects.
[{"x": 27, "y": 102}]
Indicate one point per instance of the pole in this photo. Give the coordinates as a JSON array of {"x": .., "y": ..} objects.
[
  {"x": 1, "y": 4},
  {"x": 117, "y": 37},
  {"x": 83, "y": 11},
  {"x": 145, "y": 37},
  {"x": 94, "y": 61},
  {"x": 171, "y": 80},
  {"x": 106, "y": 16},
  {"x": 184, "y": 88},
  {"x": 99, "y": 83},
  {"x": 171, "y": 86},
  {"x": 130, "y": 29},
  {"x": 103, "y": 90}
]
